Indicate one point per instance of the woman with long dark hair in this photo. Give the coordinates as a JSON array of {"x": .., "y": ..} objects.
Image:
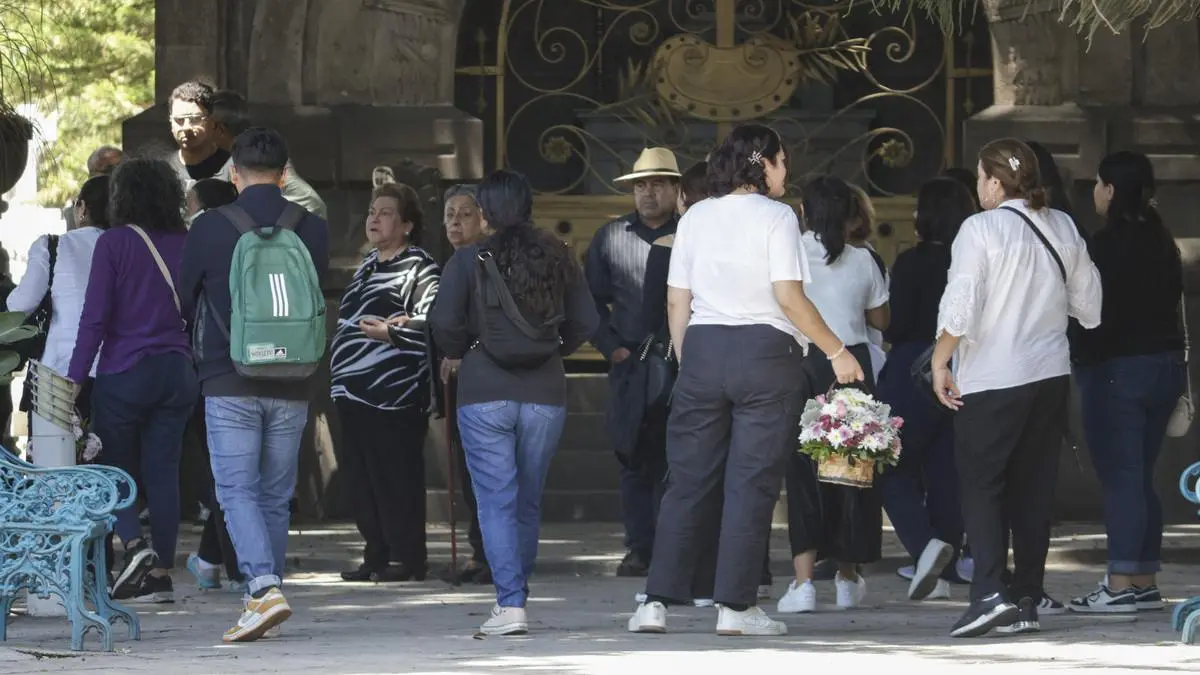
[
  {"x": 1017, "y": 271},
  {"x": 736, "y": 292},
  {"x": 1132, "y": 371},
  {"x": 828, "y": 521},
  {"x": 145, "y": 385},
  {"x": 511, "y": 307},
  {"x": 921, "y": 492}
]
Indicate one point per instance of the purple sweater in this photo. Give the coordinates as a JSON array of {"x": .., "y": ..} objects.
[{"x": 128, "y": 312}]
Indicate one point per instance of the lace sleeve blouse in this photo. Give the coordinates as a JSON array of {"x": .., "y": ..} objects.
[{"x": 1006, "y": 298}]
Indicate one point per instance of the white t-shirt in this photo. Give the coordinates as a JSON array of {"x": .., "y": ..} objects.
[
  {"x": 728, "y": 251},
  {"x": 1006, "y": 299},
  {"x": 845, "y": 290}
]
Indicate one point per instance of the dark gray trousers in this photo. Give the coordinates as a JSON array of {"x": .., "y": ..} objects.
[{"x": 733, "y": 425}]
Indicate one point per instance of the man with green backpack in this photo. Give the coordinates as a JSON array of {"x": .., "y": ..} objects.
[{"x": 250, "y": 286}]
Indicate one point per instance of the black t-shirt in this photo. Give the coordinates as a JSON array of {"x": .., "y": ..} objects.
[{"x": 207, "y": 168}]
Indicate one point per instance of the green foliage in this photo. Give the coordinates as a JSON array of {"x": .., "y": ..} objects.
[
  {"x": 821, "y": 451},
  {"x": 93, "y": 66},
  {"x": 1086, "y": 16}
]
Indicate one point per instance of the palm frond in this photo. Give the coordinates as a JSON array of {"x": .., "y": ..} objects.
[
  {"x": 823, "y": 49},
  {"x": 1086, "y": 16}
]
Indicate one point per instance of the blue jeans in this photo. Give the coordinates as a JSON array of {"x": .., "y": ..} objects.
[
  {"x": 509, "y": 446},
  {"x": 139, "y": 415},
  {"x": 920, "y": 494},
  {"x": 254, "y": 446},
  {"x": 1127, "y": 402}
]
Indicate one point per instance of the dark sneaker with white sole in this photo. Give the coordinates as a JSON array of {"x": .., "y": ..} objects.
[
  {"x": 930, "y": 565},
  {"x": 1048, "y": 606},
  {"x": 139, "y": 560},
  {"x": 154, "y": 589},
  {"x": 1148, "y": 598},
  {"x": 984, "y": 615},
  {"x": 1105, "y": 600},
  {"x": 1026, "y": 621}
]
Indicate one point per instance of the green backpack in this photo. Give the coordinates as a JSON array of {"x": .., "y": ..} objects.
[{"x": 277, "y": 330}]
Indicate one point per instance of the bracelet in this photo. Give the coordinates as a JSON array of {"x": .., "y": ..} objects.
[{"x": 838, "y": 352}]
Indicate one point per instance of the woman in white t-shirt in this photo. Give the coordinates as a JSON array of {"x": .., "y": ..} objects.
[
  {"x": 736, "y": 288},
  {"x": 833, "y": 521},
  {"x": 1017, "y": 271}
]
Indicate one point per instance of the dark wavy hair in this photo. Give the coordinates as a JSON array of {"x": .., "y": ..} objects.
[
  {"x": 828, "y": 207},
  {"x": 146, "y": 192},
  {"x": 1131, "y": 176},
  {"x": 94, "y": 196},
  {"x": 729, "y": 166},
  {"x": 942, "y": 206},
  {"x": 214, "y": 192},
  {"x": 536, "y": 265},
  {"x": 194, "y": 91},
  {"x": 1056, "y": 191},
  {"x": 694, "y": 184}
]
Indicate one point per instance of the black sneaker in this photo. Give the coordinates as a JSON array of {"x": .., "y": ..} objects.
[
  {"x": 1148, "y": 598},
  {"x": 984, "y": 615},
  {"x": 363, "y": 572},
  {"x": 1104, "y": 600},
  {"x": 633, "y": 565},
  {"x": 154, "y": 589},
  {"x": 1026, "y": 621},
  {"x": 1048, "y": 606},
  {"x": 139, "y": 560}
]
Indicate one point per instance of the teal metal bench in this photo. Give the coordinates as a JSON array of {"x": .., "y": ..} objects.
[{"x": 53, "y": 526}]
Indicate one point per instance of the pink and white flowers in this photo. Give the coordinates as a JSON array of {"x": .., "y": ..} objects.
[{"x": 850, "y": 423}]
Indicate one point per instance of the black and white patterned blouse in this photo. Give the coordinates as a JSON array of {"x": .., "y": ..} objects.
[{"x": 392, "y": 375}]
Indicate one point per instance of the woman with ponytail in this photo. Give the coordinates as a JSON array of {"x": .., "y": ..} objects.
[
  {"x": 510, "y": 307},
  {"x": 1132, "y": 371}
]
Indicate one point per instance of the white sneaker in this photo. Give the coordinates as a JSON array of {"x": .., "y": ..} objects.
[
  {"x": 933, "y": 560},
  {"x": 650, "y": 617},
  {"x": 506, "y": 621},
  {"x": 850, "y": 593},
  {"x": 941, "y": 591},
  {"x": 753, "y": 621},
  {"x": 799, "y": 598}
]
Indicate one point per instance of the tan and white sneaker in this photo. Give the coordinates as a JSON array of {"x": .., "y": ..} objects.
[
  {"x": 753, "y": 621},
  {"x": 259, "y": 617},
  {"x": 506, "y": 621},
  {"x": 650, "y": 617}
]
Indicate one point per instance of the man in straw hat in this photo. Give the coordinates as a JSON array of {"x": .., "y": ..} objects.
[{"x": 616, "y": 271}]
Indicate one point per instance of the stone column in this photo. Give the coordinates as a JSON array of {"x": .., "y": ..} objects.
[{"x": 352, "y": 84}]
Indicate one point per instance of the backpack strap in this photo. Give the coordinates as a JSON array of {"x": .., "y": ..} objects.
[
  {"x": 290, "y": 219},
  {"x": 1062, "y": 269},
  {"x": 238, "y": 216},
  {"x": 494, "y": 279}
]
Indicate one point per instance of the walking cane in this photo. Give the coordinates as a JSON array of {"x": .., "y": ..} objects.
[{"x": 451, "y": 472}]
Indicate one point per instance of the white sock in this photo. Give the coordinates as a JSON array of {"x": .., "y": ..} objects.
[{"x": 206, "y": 566}]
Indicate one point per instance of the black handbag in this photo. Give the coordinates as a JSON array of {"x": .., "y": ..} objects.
[
  {"x": 659, "y": 361},
  {"x": 922, "y": 368}
]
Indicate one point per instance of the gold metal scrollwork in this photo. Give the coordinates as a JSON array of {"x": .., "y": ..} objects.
[{"x": 725, "y": 85}]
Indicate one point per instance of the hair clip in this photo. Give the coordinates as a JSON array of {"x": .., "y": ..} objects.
[
  {"x": 756, "y": 157},
  {"x": 1014, "y": 163}
]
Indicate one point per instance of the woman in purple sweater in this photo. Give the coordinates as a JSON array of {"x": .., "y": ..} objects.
[{"x": 145, "y": 383}]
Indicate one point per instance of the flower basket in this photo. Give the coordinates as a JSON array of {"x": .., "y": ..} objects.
[
  {"x": 851, "y": 436},
  {"x": 842, "y": 470}
]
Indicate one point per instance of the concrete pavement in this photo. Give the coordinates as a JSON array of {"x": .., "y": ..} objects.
[{"x": 578, "y": 612}]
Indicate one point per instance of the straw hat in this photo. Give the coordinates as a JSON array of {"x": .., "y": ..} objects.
[{"x": 653, "y": 162}]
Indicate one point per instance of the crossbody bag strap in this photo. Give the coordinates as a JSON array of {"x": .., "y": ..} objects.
[
  {"x": 162, "y": 266},
  {"x": 1062, "y": 269},
  {"x": 507, "y": 304}
]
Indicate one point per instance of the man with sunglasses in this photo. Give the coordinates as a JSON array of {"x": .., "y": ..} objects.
[{"x": 200, "y": 155}]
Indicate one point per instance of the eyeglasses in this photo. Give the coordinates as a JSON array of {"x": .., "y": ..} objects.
[{"x": 189, "y": 120}]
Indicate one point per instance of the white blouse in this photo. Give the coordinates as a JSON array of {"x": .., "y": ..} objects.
[
  {"x": 1006, "y": 299},
  {"x": 845, "y": 290},
  {"x": 728, "y": 252},
  {"x": 72, "y": 267}
]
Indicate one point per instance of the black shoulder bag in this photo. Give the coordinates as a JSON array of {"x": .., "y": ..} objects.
[
  {"x": 533, "y": 346},
  {"x": 922, "y": 368}
]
